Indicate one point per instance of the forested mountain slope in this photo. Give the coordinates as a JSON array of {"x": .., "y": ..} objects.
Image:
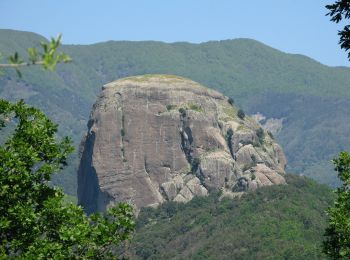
[{"x": 310, "y": 98}]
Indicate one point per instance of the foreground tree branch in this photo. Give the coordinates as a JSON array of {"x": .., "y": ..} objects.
[
  {"x": 24, "y": 64},
  {"x": 48, "y": 57},
  {"x": 338, "y": 12}
]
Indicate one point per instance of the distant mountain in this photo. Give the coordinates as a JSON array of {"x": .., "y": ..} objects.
[
  {"x": 310, "y": 98},
  {"x": 275, "y": 222}
]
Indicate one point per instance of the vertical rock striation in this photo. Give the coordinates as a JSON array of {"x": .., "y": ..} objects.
[{"x": 155, "y": 138}]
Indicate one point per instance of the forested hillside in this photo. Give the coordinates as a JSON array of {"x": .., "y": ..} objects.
[
  {"x": 311, "y": 98},
  {"x": 282, "y": 222}
]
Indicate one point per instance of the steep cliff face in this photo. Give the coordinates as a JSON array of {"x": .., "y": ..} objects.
[{"x": 155, "y": 138}]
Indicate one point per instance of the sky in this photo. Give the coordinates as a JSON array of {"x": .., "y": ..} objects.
[{"x": 292, "y": 26}]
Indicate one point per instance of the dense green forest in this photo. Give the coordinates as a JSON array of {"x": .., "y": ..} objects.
[
  {"x": 283, "y": 222},
  {"x": 311, "y": 98}
]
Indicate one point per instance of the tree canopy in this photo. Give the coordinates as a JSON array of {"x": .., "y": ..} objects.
[
  {"x": 339, "y": 11},
  {"x": 35, "y": 221},
  {"x": 337, "y": 243}
]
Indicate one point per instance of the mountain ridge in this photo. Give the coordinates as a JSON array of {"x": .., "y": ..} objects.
[{"x": 14, "y": 31}]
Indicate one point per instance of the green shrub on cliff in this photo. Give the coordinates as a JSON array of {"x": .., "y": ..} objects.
[{"x": 241, "y": 114}]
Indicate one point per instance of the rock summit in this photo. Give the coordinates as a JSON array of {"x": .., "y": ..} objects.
[{"x": 157, "y": 138}]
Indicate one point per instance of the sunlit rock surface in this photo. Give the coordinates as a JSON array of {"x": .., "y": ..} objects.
[{"x": 155, "y": 138}]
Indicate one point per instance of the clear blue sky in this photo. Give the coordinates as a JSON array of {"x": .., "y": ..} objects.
[{"x": 293, "y": 26}]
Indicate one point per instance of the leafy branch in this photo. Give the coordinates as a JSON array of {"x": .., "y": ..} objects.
[
  {"x": 340, "y": 11},
  {"x": 48, "y": 57},
  {"x": 35, "y": 222}
]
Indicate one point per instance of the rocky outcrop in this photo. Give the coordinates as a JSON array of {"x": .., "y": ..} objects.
[{"x": 155, "y": 138}]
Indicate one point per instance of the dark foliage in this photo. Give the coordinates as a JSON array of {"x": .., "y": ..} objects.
[
  {"x": 182, "y": 112},
  {"x": 241, "y": 114},
  {"x": 230, "y": 101},
  {"x": 338, "y": 11}
]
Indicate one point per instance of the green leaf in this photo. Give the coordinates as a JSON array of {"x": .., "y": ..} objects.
[{"x": 33, "y": 55}]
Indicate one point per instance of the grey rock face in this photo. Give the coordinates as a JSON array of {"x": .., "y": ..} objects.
[{"x": 155, "y": 138}]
